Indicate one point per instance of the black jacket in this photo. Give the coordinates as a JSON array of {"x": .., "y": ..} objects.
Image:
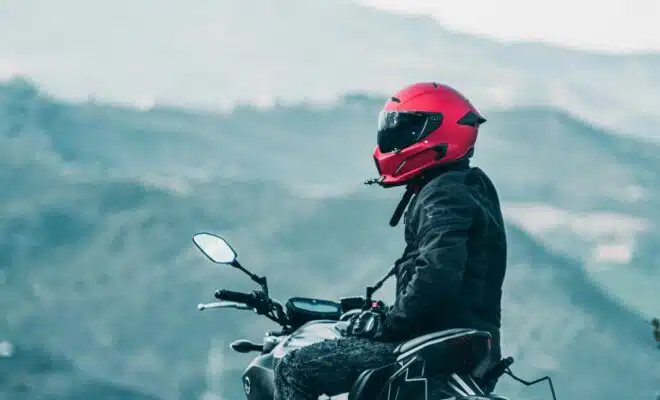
[{"x": 451, "y": 273}]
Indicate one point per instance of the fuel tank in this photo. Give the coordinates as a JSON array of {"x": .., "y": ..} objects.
[{"x": 311, "y": 332}]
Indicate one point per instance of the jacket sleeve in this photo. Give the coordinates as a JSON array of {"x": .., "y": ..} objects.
[{"x": 441, "y": 220}]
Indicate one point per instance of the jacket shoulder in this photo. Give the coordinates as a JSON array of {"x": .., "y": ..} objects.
[
  {"x": 445, "y": 199},
  {"x": 449, "y": 187}
]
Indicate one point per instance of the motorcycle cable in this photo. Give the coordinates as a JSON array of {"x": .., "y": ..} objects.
[
  {"x": 534, "y": 382},
  {"x": 269, "y": 308},
  {"x": 372, "y": 289}
]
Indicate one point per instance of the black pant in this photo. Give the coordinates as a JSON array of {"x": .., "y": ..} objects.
[{"x": 329, "y": 367}]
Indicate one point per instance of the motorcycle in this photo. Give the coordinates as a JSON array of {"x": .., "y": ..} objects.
[{"x": 452, "y": 364}]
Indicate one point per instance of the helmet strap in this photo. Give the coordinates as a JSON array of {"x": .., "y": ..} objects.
[
  {"x": 414, "y": 186},
  {"x": 411, "y": 189}
]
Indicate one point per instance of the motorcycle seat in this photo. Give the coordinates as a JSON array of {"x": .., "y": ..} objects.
[
  {"x": 432, "y": 339},
  {"x": 461, "y": 351}
]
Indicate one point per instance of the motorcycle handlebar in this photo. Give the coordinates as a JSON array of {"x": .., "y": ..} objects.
[{"x": 238, "y": 297}]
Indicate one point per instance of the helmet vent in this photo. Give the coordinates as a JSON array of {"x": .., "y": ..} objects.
[{"x": 471, "y": 119}]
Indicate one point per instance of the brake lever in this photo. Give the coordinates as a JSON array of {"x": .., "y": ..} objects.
[{"x": 222, "y": 304}]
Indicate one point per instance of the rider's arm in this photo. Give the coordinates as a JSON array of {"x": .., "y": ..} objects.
[{"x": 441, "y": 219}]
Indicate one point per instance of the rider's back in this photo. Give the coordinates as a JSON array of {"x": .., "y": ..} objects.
[{"x": 477, "y": 300}]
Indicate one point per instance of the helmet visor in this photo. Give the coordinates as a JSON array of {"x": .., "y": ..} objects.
[{"x": 398, "y": 130}]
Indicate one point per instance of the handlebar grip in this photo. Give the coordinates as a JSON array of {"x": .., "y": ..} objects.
[{"x": 238, "y": 297}]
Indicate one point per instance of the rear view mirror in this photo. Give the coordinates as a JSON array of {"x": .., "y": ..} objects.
[{"x": 215, "y": 248}]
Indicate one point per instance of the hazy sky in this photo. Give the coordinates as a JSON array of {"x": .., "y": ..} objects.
[
  {"x": 179, "y": 52},
  {"x": 606, "y": 25}
]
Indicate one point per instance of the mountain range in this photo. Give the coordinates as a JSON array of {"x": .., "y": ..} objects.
[
  {"x": 226, "y": 52},
  {"x": 100, "y": 279}
]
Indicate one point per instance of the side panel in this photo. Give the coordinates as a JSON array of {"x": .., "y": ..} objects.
[
  {"x": 412, "y": 381},
  {"x": 258, "y": 379}
]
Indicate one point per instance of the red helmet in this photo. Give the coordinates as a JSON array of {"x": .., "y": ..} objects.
[{"x": 423, "y": 126}]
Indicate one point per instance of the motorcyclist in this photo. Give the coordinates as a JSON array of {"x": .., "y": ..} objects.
[{"x": 452, "y": 269}]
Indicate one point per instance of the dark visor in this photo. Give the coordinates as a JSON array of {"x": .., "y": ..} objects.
[{"x": 398, "y": 130}]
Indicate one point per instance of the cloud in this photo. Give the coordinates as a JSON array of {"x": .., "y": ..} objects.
[
  {"x": 520, "y": 20},
  {"x": 538, "y": 218}
]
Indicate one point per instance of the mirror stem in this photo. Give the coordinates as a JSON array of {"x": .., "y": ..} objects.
[{"x": 260, "y": 280}]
